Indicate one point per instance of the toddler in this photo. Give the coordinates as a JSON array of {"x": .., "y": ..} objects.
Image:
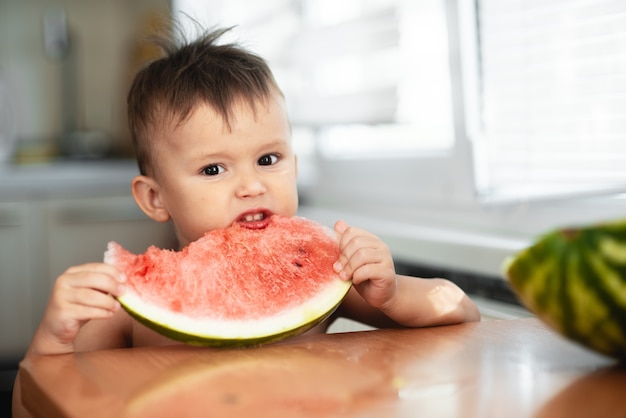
[{"x": 213, "y": 145}]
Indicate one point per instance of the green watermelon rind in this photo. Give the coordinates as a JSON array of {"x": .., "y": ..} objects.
[
  {"x": 575, "y": 281},
  {"x": 211, "y": 332}
]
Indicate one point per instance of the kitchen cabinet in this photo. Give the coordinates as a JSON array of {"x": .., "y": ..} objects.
[
  {"x": 40, "y": 237},
  {"x": 18, "y": 264}
]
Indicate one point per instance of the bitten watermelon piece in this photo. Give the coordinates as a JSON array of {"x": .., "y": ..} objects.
[
  {"x": 575, "y": 280},
  {"x": 235, "y": 286}
]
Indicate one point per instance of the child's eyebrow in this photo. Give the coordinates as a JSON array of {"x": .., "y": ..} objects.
[
  {"x": 277, "y": 143},
  {"x": 211, "y": 156}
]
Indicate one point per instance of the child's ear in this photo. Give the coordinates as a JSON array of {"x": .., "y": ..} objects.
[{"x": 147, "y": 194}]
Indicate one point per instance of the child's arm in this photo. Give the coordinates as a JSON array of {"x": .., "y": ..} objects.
[
  {"x": 80, "y": 294},
  {"x": 383, "y": 298}
]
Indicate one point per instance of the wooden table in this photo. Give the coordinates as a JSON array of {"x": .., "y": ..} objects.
[{"x": 515, "y": 368}]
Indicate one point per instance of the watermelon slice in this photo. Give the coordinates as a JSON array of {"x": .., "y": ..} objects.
[
  {"x": 574, "y": 279},
  {"x": 235, "y": 286}
]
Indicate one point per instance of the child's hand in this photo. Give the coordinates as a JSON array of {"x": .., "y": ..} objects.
[
  {"x": 367, "y": 261},
  {"x": 81, "y": 293}
]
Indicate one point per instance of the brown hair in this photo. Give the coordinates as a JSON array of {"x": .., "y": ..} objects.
[{"x": 201, "y": 71}]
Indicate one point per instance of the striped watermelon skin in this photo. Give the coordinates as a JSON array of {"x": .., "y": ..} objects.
[
  {"x": 574, "y": 279},
  {"x": 220, "y": 342}
]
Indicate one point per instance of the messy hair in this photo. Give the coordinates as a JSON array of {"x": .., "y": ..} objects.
[{"x": 193, "y": 72}]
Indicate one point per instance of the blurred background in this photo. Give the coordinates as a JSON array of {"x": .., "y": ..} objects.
[{"x": 457, "y": 130}]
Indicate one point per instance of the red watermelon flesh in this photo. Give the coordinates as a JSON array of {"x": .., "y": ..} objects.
[{"x": 236, "y": 286}]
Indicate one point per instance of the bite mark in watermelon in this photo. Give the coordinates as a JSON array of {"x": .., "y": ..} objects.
[
  {"x": 575, "y": 280},
  {"x": 235, "y": 286}
]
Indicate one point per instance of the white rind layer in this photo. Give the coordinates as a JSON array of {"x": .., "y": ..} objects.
[{"x": 233, "y": 329}]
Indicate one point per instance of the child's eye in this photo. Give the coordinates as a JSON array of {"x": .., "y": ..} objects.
[
  {"x": 212, "y": 170},
  {"x": 268, "y": 159}
]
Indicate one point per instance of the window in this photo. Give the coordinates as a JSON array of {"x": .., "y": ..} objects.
[
  {"x": 375, "y": 77},
  {"x": 553, "y": 96}
]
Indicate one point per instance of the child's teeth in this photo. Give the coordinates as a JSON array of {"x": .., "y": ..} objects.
[{"x": 255, "y": 217}]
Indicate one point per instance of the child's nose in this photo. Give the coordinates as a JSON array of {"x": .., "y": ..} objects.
[{"x": 250, "y": 185}]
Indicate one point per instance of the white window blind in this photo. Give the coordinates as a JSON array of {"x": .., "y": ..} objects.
[{"x": 553, "y": 96}]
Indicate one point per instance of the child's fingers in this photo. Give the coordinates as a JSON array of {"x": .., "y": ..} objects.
[
  {"x": 79, "y": 314},
  {"x": 361, "y": 250},
  {"x": 83, "y": 289},
  {"x": 342, "y": 261},
  {"x": 355, "y": 256},
  {"x": 350, "y": 242},
  {"x": 101, "y": 268},
  {"x": 351, "y": 238},
  {"x": 86, "y": 292},
  {"x": 101, "y": 279},
  {"x": 80, "y": 294},
  {"x": 90, "y": 298},
  {"x": 340, "y": 227},
  {"x": 363, "y": 255}
]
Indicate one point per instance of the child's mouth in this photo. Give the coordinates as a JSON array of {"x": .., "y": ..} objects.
[{"x": 254, "y": 220}]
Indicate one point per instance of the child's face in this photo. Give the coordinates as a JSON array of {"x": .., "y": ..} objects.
[{"x": 209, "y": 176}]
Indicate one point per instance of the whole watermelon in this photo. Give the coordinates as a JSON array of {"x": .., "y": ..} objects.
[{"x": 574, "y": 279}]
